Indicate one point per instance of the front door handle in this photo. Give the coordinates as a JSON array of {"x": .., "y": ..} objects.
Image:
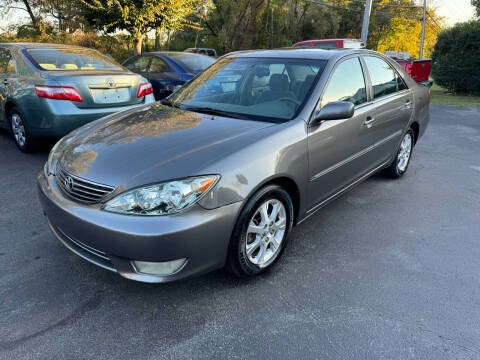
[
  {"x": 369, "y": 121},
  {"x": 6, "y": 82}
]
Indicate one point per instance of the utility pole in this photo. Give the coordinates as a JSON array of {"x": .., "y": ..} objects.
[
  {"x": 423, "y": 27},
  {"x": 366, "y": 21}
]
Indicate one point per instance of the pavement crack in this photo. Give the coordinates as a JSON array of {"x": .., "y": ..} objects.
[{"x": 88, "y": 306}]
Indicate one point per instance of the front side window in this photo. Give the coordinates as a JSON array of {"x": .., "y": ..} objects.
[
  {"x": 68, "y": 59},
  {"x": 346, "y": 84},
  {"x": 251, "y": 88},
  {"x": 382, "y": 75}
]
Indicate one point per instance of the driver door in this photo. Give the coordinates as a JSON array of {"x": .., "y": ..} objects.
[{"x": 340, "y": 150}]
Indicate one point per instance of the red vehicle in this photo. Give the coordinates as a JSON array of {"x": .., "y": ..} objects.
[
  {"x": 332, "y": 44},
  {"x": 419, "y": 70}
]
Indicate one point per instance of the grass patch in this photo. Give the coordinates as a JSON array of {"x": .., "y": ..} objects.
[{"x": 440, "y": 96}]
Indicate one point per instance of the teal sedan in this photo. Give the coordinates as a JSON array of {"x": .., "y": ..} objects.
[{"x": 48, "y": 90}]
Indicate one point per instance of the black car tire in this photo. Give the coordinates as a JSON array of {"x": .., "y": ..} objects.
[
  {"x": 238, "y": 262},
  {"x": 393, "y": 170},
  {"x": 27, "y": 144}
]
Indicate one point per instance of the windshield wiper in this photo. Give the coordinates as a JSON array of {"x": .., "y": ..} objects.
[{"x": 211, "y": 111}]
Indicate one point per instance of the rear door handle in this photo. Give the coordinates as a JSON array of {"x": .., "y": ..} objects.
[
  {"x": 369, "y": 121},
  {"x": 408, "y": 104},
  {"x": 6, "y": 82}
]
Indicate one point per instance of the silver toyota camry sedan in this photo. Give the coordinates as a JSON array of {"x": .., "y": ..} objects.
[{"x": 219, "y": 173}]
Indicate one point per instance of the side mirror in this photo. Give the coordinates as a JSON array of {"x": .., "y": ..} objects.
[{"x": 334, "y": 111}]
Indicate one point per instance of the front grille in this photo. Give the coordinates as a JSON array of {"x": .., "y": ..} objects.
[{"x": 80, "y": 189}]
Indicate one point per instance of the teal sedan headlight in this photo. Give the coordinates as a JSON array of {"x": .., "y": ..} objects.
[{"x": 162, "y": 199}]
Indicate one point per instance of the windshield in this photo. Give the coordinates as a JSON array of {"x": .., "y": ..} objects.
[
  {"x": 72, "y": 59},
  {"x": 193, "y": 63},
  {"x": 251, "y": 88}
]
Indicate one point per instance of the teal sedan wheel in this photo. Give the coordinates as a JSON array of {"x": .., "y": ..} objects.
[{"x": 19, "y": 131}]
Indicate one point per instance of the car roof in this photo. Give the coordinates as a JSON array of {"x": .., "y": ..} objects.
[
  {"x": 173, "y": 53},
  {"x": 299, "y": 53},
  {"x": 325, "y": 40},
  {"x": 26, "y": 45}
]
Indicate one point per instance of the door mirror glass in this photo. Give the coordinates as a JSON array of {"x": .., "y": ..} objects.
[{"x": 335, "y": 111}]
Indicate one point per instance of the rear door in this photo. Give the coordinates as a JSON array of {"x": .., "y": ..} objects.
[
  {"x": 4, "y": 59},
  {"x": 8, "y": 81},
  {"x": 340, "y": 150},
  {"x": 162, "y": 77},
  {"x": 393, "y": 107}
]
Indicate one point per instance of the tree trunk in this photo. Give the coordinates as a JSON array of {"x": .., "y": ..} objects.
[
  {"x": 35, "y": 21},
  {"x": 158, "y": 38},
  {"x": 168, "y": 39},
  {"x": 137, "y": 44}
]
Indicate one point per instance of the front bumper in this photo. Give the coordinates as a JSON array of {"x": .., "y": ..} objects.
[{"x": 113, "y": 241}]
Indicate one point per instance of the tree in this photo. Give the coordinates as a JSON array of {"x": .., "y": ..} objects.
[
  {"x": 25, "y": 5},
  {"x": 476, "y": 4},
  {"x": 456, "y": 58},
  {"x": 138, "y": 17},
  {"x": 404, "y": 34}
]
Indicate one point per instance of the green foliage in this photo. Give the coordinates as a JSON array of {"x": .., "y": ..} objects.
[
  {"x": 476, "y": 4},
  {"x": 456, "y": 58},
  {"x": 117, "y": 46}
]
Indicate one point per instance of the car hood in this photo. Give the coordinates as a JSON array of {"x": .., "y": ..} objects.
[{"x": 149, "y": 144}]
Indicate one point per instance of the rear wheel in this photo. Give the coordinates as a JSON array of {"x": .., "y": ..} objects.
[
  {"x": 400, "y": 164},
  {"x": 19, "y": 131},
  {"x": 261, "y": 232}
]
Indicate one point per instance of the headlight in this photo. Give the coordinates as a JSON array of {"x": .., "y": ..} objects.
[
  {"x": 162, "y": 199},
  {"x": 49, "y": 163}
]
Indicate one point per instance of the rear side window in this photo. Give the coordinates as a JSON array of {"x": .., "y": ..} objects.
[
  {"x": 158, "y": 65},
  {"x": 69, "y": 59},
  {"x": 138, "y": 64},
  {"x": 326, "y": 45},
  {"x": 346, "y": 84},
  {"x": 382, "y": 75}
]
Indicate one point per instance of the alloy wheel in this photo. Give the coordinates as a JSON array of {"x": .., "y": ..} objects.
[
  {"x": 266, "y": 232},
  {"x": 404, "y": 153},
  {"x": 18, "y": 129}
]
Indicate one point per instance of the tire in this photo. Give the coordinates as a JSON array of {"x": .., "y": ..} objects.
[
  {"x": 269, "y": 240},
  {"x": 19, "y": 130},
  {"x": 399, "y": 166}
]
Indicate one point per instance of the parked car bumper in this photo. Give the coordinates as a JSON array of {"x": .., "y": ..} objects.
[
  {"x": 59, "y": 117},
  {"x": 115, "y": 241}
]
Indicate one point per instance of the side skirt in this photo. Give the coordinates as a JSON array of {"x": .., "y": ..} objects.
[{"x": 317, "y": 207}]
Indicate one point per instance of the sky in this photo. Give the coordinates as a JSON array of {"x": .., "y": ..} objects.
[{"x": 452, "y": 10}]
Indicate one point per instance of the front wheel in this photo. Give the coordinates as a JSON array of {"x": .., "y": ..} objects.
[
  {"x": 261, "y": 232},
  {"x": 400, "y": 164}
]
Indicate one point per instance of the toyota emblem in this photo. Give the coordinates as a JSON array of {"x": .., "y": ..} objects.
[
  {"x": 68, "y": 182},
  {"x": 110, "y": 83}
]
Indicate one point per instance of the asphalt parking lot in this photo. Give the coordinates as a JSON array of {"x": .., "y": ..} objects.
[{"x": 389, "y": 271}]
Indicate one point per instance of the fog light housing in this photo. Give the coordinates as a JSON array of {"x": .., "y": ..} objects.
[{"x": 159, "y": 268}]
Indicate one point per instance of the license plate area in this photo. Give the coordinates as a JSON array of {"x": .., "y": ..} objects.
[{"x": 110, "y": 96}]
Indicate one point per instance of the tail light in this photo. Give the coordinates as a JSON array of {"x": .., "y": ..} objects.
[
  {"x": 144, "y": 89},
  {"x": 409, "y": 69},
  {"x": 58, "y": 92},
  {"x": 429, "y": 95}
]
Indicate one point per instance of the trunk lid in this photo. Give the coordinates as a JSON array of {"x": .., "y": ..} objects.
[{"x": 101, "y": 89}]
